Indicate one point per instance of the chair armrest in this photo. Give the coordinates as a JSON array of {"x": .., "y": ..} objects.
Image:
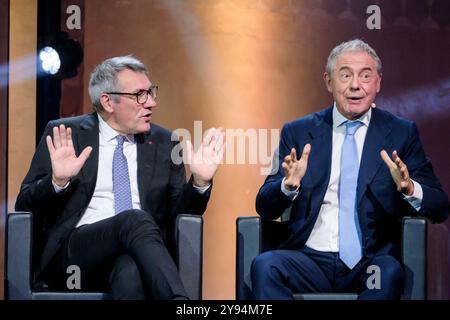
[
  {"x": 254, "y": 236},
  {"x": 248, "y": 246},
  {"x": 437, "y": 261},
  {"x": 189, "y": 253},
  {"x": 425, "y": 257},
  {"x": 414, "y": 257},
  {"x": 19, "y": 238}
]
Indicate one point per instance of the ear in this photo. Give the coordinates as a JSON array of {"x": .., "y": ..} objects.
[
  {"x": 379, "y": 84},
  {"x": 327, "y": 79},
  {"x": 107, "y": 103}
]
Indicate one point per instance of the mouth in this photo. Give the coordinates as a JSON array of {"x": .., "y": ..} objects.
[
  {"x": 355, "y": 99},
  {"x": 147, "y": 117}
]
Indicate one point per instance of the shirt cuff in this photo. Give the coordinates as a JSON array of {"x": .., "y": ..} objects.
[
  {"x": 201, "y": 190},
  {"x": 415, "y": 200},
  {"x": 59, "y": 189},
  {"x": 292, "y": 195}
]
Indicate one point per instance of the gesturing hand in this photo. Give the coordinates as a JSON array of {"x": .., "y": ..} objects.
[
  {"x": 399, "y": 172},
  {"x": 204, "y": 163},
  {"x": 294, "y": 170},
  {"x": 65, "y": 164}
]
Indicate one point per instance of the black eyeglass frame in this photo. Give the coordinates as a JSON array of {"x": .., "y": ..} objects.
[{"x": 152, "y": 92}]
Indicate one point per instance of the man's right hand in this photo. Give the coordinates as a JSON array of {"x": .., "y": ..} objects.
[
  {"x": 65, "y": 163},
  {"x": 294, "y": 170}
]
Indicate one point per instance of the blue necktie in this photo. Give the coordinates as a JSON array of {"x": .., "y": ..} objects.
[
  {"x": 121, "y": 179},
  {"x": 350, "y": 248}
]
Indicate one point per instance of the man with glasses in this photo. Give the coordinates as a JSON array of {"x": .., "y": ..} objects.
[
  {"x": 359, "y": 170},
  {"x": 105, "y": 192}
]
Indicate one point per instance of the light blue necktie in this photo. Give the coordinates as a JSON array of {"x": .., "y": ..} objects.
[
  {"x": 121, "y": 179},
  {"x": 350, "y": 248}
]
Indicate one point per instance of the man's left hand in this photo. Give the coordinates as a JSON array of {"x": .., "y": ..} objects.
[
  {"x": 204, "y": 163},
  {"x": 399, "y": 172}
]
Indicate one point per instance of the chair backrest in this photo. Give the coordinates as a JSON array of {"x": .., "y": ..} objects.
[
  {"x": 424, "y": 255},
  {"x": 18, "y": 273},
  {"x": 189, "y": 253},
  {"x": 18, "y": 258}
]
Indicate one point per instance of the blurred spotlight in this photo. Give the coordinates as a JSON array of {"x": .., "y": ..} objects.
[
  {"x": 60, "y": 58},
  {"x": 49, "y": 59}
]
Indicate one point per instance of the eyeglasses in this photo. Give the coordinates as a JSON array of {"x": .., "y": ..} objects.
[{"x": 141, "y": 95}]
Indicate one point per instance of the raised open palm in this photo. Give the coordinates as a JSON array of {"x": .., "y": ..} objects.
[
  {"x": 399, "y": 172},
  {"x": 294, "y": 170},
  {"x": 65, "y": 163},
  {"x": 204, "y": 163}
]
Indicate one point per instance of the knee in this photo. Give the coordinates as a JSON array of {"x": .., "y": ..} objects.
[
  {"x": 263, "y": 265},
  {"x": 133, "y": 219},
  {"x": 136, "y": 225}
]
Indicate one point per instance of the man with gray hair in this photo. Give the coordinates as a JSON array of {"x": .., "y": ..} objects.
[
  {"x": 346, "y": 192},
  {"x": 105, "y": 193}
]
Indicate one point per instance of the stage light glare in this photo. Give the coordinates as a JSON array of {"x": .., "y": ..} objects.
[{"x": 50, "y": 60}]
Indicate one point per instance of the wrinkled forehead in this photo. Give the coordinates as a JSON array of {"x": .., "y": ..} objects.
[
  {"x": 132, "y": 81},
  {"x": 356, "y": 61}
]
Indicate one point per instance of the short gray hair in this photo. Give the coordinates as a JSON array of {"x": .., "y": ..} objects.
[
  {"x": 351, "y": 46},
  {"x": 104, "y": 77}
]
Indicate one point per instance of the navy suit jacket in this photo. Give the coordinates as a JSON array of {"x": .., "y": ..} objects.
[
  {"x": 380, "y": 205},
  {"x": 163, "y": 190}
]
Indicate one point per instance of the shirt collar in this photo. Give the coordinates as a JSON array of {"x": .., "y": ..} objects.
[
  {"x": 109, "y": 133},
  {"x": 339, "y": 119}
]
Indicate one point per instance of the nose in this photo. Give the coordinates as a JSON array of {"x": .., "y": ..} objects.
[
  {"x": 150, "y": 103},
  {"x": 354, "y": 84}
]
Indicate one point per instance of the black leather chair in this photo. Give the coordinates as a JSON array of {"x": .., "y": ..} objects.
[
  {"x": 424, "y": 255},
  {"x": 19, "y": 272}
]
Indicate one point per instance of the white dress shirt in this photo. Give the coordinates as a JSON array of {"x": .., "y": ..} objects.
[
  {"x": 325, "y": 234},
  {"x": 101, "y": 205}
]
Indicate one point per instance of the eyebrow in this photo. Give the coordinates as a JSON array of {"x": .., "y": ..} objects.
[
  {"x": 348, "y": 68},
  {"x": 139, "y": 90}
]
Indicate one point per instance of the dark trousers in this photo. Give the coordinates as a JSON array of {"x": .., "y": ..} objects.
[
  {"x": 280, "y": 273},
  {"x": 124, "y": 254}
]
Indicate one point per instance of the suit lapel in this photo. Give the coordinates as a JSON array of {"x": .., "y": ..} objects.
[
  {"x": 319, "y": 162},
  {"x": 376, "y": 140},
  {"x": 89, "y": 136},
  {"x": 146, "y": 156}
]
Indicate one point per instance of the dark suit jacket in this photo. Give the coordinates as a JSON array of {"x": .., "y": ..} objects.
[
  {"x": 380, "y": 206},
  {"x": 163, "y": 190}
]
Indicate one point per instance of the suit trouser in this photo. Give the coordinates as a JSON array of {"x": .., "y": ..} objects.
[
  {"x": 124, "y": 253},
  {"x": 280, "y": 273}
]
